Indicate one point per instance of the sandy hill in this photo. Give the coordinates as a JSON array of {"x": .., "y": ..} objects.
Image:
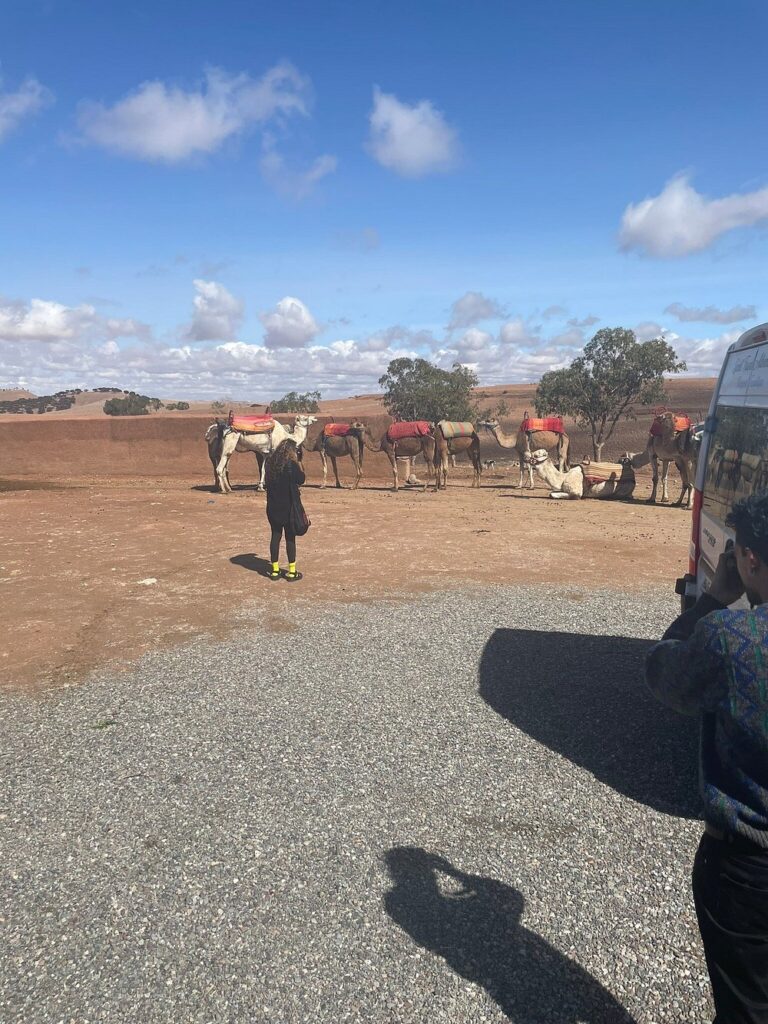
[
  {"x": 689, "y": 394},
  {"x": 13, "y": 394}
]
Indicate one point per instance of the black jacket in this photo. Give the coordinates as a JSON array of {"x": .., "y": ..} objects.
[{"x": 279, "y": 493}]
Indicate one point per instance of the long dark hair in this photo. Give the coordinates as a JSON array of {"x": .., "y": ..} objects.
[{"x": 277, "y": 463}]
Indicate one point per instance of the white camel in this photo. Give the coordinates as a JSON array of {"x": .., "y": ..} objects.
[
  {"x": 214, "y": 438},
  {"x": 587, "y": 480},
  {"x": 261, "y": 444}
]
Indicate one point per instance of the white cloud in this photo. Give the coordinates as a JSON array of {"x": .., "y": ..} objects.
[
  {"x": 411, "y": 140},
  {"x": 471, "y": 308},
  {"x": 28, "y": 99},
  {"x": 161, "y": 122},
  {"x": 703, "y": 356},
  {"x": 42, "y": 320},
  {"x": 711, "y": 314},
  {"x": 518, "y": 332},
  {"x": 474, "y": 340},
  {"x": 216, "y": 315},
  {"x": 648, "y": 330},
  {"x": 295, "y": 185},
  {"x": 289, "y": 325},
  {"x": 680, "y": 220}
]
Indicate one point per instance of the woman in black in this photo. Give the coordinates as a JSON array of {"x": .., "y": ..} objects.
[{"x": 284, "y": 476}]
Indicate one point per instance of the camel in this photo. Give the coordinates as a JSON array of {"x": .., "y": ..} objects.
[
  {"x": 407, "y": 448},
  {"x": 669, "y": 445},
  {"x": 234, "y": 441},
  {"x": 524, "y": 442},
  {"x": 577, "y": 482},
  {"x": 446, "y": 448},
  {"x": 214, "y": 438},
  {"x": 334, "y": 448}
]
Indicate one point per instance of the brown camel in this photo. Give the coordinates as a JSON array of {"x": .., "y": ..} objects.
[
  {"x": 446, "y": 448},
  {"x": 530, "y": 441},
  {"x": 334, "y": 448},
  {"x": 668, "y": 445},
  {"x": 408, "y": 447}
]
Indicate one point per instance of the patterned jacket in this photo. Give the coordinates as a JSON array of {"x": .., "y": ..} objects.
[{"x": 713, "y": 661}]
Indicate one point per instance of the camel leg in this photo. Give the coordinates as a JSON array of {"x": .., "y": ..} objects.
[
  {"x": 665, "y": 480},
  {"x": 335, "y": 470},
  {"x": 392, "y": 456},
  {"x": 324, "y": 461},
  {"x": 355, "y": 456},
  {"x": 655, "y": 477},
  {"x": 222, "y": 468},
  {"x": 263, "y": 470}
]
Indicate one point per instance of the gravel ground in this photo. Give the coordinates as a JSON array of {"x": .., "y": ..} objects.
[{"x": 425, "y": 811}]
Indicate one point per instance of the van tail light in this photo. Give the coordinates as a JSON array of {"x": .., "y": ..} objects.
[{"x": 695, "y": 546}]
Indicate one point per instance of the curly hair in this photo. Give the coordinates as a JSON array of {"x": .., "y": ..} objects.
[
  {"x": 278, "y": 461},
  {"x": 749, "y": 520}
]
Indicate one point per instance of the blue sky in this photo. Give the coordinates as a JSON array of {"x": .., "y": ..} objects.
[{"x": 241, "y": 199}]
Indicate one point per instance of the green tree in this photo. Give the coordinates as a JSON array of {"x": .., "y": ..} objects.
[
  {"x": 415, "y": 389},
  {"x": 131, "y": 405},
  {"x": 614, "y": 373},
  {"x": 294, "y": 402}
]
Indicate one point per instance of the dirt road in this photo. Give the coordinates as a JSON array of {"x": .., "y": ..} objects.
[{"x": 96, "y": 572}]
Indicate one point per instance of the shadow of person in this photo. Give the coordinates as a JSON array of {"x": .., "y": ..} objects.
[
  {"x": 473, "y": 922},
  {"x": 252, "y": 562},
  {"x": 584, "y": 697}
]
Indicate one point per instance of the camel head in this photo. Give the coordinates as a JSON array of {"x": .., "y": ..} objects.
[
  {"x": 211, "y": 433},
  {"x": 666, "y": 421},
  {"x": 489, "y": 424},
  {"x": 302, "y": 420},
  {"x": 536, "y": 458}
]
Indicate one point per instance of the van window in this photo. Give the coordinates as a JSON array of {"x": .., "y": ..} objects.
[{"x": 737, "y": 463}]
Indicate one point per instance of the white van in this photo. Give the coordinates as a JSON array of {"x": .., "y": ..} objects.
[{"x": 733, "y": 458}]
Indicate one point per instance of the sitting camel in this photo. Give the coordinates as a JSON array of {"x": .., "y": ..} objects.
[
  {"x": 334, "y": 448},
  {"x": 528, "y": 441},
  {"x": 235, "y": 441},
  {"x": 668, "y": 444},
  {"x": 587, "y": 480},
  {"x": 450, "y": 447},
  {"x": 406, "y": 448}
]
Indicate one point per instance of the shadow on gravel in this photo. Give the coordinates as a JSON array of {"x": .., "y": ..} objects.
[
  {"x": 473, "y": 922},
  {"x": 585, "y": 697}
]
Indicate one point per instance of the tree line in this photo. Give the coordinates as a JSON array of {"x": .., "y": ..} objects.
[{"x": 614, "y": 374}]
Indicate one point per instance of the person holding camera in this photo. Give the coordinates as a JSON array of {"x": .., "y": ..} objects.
[
  {"x": 713, "y": 662},
  {"x": 285, "y": 512}
]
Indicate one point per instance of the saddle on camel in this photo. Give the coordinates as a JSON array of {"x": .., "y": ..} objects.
[
  {"x": 554, "y": 424},
  {"x": 450, "y": 429},
  {"x": 603, "y": 472},
  {"x": 337, "y": 429},
  {"x": 681, "y": 423},
  {"x": 402, "y": 429},
  {"x": 250, "y": 424}
]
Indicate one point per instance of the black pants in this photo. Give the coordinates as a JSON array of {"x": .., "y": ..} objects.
[
  {"x": 290, "y": 543},
  {"x": 730, "y": 889}
]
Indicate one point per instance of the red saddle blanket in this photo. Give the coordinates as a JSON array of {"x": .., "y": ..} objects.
[
  {"x": 336, "y": 429},
  {"x": 408, "y": 428},
  {"x": 251, "y": 424},
  {"x": 552, "y": 423},
  {"x": 681, "y": 423}
]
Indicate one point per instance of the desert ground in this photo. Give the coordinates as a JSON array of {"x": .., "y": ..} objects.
[
  {"x": 425, "y": 783},
  {"x": 112, "y": 541}
]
